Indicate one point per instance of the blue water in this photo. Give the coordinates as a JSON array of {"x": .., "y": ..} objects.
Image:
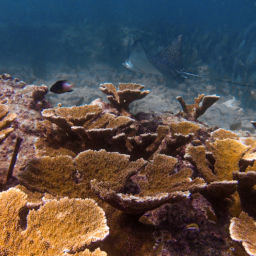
[
  {"x": 210, "y": 14},
  {"x": 31, "y": 28},
  {"x": 41, "y": 36}
]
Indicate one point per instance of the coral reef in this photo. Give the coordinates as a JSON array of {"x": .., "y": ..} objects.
[{"x": 169, "y": 185}]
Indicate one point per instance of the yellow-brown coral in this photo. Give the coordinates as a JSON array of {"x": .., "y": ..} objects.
[
  {"x": 158, "y": 184},
  {"x": 56, "y": 227},
  {"x": 197, "y": 154},
  {"x": 222, "y": 134},
  {"x": 63, "y": 175},
  {"x": 97, "y": 252},
  {"x": 69, "y": 223},
  {"x": 243, "y": 229},
  {"x": 71, "y": 116},
  {"x": 81, "y": 128},
  {"x": 202, "y": 103},
  {"x": 121, "y": 98},
  {"x": 184, "y": 128},
  {"x": 248, "y": 160},
  {"x": 51, "y": 174},
  {"x": 161, "y": 178},
  {"x": 227, "y": 154},
  {"x": 134, "y": 204}
]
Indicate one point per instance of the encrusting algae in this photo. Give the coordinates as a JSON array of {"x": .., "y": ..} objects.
[{"x": 165, "y": 184}]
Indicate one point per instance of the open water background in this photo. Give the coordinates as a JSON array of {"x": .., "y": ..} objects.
[{"x": 38, "y": 38}]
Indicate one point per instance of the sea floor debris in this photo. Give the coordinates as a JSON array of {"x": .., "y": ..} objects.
[{"x": 165, "y": 184}]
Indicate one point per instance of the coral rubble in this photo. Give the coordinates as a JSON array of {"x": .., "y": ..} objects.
[{"x": 169, "y": 185}]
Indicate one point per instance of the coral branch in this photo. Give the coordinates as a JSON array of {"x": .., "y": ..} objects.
[
  {"x": 202, "y": 103},
  {"x": 127, "y": 93}
]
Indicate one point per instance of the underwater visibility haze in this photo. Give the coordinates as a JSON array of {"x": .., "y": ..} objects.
[{"x": 90, "y": 42}]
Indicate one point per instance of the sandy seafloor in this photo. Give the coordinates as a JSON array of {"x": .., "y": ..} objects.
[{"x": 226, "y": 113}]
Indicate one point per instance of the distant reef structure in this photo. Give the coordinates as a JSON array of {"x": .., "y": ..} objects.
[{"x": 97, "y": 180}]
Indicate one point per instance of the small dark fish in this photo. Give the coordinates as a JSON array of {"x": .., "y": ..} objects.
[{"x": 61, "y": 86}]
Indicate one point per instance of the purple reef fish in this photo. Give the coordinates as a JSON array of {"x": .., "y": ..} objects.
[{"x": 61, "y": 86}]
